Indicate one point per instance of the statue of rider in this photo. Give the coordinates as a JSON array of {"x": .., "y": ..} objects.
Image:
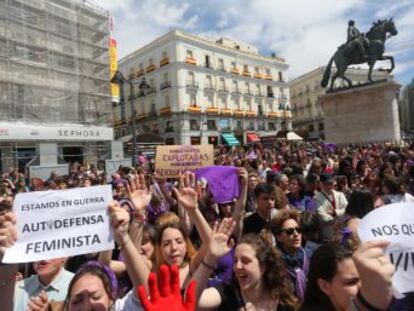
[{"x": 355, "y": 37}]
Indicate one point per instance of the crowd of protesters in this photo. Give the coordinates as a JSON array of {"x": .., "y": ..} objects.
[{"x": 288, "y": 241}]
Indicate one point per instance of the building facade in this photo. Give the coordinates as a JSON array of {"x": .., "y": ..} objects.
[
  {"x": 305, "y": 91},
  {"x": 204, "y": 91},
  {"x": 54, "y": 80},
  {"x": 406, "y": 109}
]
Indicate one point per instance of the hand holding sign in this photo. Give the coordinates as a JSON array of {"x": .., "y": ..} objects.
[
  {"x": 375, "y": 271},
  {"x": 394, "y": 223},
  {"x": 38, "y": 303},
  {"x": 120, "y": 222},
  {"x": 8, "y": 232}
]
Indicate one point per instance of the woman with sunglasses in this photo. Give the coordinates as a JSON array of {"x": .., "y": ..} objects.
[{"x": 288, "y": 234}]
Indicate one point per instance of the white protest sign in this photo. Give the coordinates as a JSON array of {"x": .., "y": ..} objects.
[
  {"x": 61, "y": 223},
  {"x": 394, "y": 223}
]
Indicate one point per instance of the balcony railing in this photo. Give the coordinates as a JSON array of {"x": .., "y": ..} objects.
[
  {"x": 164, "y": 61},
  {"x": 165, "y": 85},
  {"x": 268, "y": 77},
  {"x": 209, "y": 88},
  {"x": 191, "y": 60},
  {"x": 150, "y": 68},
  {"x": 248, "y": 93},
  {"x": 258, "y": 75},
  {"x": 223, "y": 89},
  {"x": 194, "y": 109},
  {"x": 273, "y": 114},
  {"x": 250, "y": 113},
  {"x": 236, "y": 91},
  {"x": 212, "y": 110},
  {"x": 226, "y": 112},
  {"x": 238, "y": 113},
  {"x": 139, "y": 73},
  {"x": 235, "y": 71},
  {"x": 192, "y": 84},
  {"x": 246, "y": 73},
  {"x": 141, "y": 116},
  {"x": 165, "y": 110}
]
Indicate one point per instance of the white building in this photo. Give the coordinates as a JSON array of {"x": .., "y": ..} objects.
[{"x": 203, "y": 88}]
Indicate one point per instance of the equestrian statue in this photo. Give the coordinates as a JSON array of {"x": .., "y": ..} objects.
[{"x": 359, "y": 49}]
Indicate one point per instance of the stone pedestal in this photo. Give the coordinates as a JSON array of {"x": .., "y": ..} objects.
[{"x": 362, "y": 114}]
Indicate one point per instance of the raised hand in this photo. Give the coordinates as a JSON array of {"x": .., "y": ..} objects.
[
  {"x": 376, "y": 271},
  {"x": 138, "y": 193},
  {"x": 219, "y": 241},
  {"x": 120, "y": 222},
  {"x": 8, "y": 231},
  {"x": 186, "y": 194},
  {"x": 243, "y": 176},
  {"x": 167, "y": 296},
  {"x": 38, "y": 303}
]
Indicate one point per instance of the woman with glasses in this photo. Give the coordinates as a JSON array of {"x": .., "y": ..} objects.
[{"x": 288, "y": 234}]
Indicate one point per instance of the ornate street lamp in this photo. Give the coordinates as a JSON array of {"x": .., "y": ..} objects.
[{"x": 119, "y": 79}]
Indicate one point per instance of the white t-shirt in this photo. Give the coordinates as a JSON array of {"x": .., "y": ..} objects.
[{"x": 129, "y": 302}]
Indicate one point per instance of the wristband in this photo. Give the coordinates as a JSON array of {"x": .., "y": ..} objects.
[
  {"x": 366, "y": 304},
  {"x": 207, "y": 265}
]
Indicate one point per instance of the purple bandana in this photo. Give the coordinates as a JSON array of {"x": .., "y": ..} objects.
[{"x": 223, "y": 182}]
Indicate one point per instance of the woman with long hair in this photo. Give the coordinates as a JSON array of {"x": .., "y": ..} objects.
[{"x": 261, "y": 281}]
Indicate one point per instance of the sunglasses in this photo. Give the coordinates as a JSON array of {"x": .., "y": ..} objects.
[{"x": 290, "y": 231}]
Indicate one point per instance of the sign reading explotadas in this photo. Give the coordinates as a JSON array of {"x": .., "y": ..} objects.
[
  {"x": 61, "y": 223},
  {"x": 394, "y": 223},
  {"x": 172, "y": 160}
]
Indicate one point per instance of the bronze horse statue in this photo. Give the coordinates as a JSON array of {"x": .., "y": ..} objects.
[{"x": 348, "y": 54}]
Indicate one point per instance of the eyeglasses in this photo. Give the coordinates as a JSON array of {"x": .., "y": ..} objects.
[{"x": 290, "y": 231}]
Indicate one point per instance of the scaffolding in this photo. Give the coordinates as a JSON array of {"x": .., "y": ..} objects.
[{"x": 54, "y": 66}]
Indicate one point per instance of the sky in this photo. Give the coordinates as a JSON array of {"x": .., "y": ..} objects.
[{"x": 305, "y": 32}]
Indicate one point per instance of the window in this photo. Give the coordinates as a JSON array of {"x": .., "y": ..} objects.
[
  {"x": 267, "y": 71},
  {"x": 211, "y": 125},
  {"x": 271, "y": 126},
  {"x": 270, "y": 91},
  {"x": 193, "y": 102},
  {"x": 280, "y": 76},
  {"x": 260, "y": 110},
  {"x": 222, "y": 83},
  {"x": 239, "y": 125},
  {"x": 209, "y": 82},
  {"x": 247, "y": 87},
  {"x": 235, "y": 86},
  {"x": 246, "y": 68},
  {"x": 248, "y": 104},
  {"x": 311, "y": 128},
  {"x": 256, "y": 69},
  {"x": 164, "y": 55},
  {"x": 233, "y": 65},
  {"x": 321, "y": 127},
  {"x": 165, "y": 77},
  {"x": 166, "y": 101},
  {"x": 207, "y": 58},
  {"x": 282, "y": 92},
  {"x": 190, "y": 78},
  {"x": 169, "y": 127},
  {"x": 141, "y": 66},
  {"x": 210, "y": 103},
  {"x": 194, "y": 125},
  {"x": 258, "y": 88},
  {"x": 151, "y": 61},
  {"x": 237, "y": 103},
  {"x": 221, "y": 64},
  {"x": 190, "y": 54}
]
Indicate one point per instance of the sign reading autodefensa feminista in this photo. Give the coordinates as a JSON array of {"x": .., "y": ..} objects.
[
  {"x": 61, "y": 223},
  {"x": 172, "y": 160}
]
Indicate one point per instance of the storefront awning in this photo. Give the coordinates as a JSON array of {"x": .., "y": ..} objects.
[
  {"x": 252, "y": 137},
  {"x": 230, "y": 139}
]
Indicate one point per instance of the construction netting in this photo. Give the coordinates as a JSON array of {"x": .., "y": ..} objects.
[{"x": 54, "y": 65}]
